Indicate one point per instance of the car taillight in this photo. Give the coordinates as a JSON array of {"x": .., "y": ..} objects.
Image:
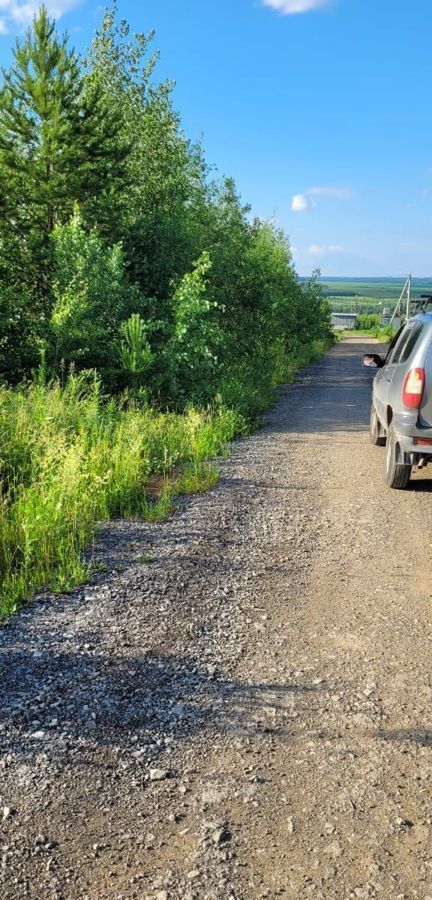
[{"x": 413, "y": 388}]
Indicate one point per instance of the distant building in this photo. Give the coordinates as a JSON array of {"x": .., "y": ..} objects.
[{"x": 344, "y": 321}]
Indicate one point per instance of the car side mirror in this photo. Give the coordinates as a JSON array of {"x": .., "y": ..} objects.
[{"x": 372, "y": 361}]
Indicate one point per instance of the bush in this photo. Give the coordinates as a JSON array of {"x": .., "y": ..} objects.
[
  {"x": 18, "y": 334},
  {"x": 367, "y": 321},
  {"x": 92, "y": 297},
  {"x": 385, "y": 334}
]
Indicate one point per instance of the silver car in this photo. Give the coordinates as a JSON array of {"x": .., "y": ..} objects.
[{"x": 401, "y": 410}]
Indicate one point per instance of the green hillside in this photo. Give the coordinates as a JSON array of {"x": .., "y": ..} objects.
[{"x": 369, "y": 294}]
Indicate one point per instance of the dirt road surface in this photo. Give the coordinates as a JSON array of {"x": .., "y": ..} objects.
[{"x": 239, "y": 706}]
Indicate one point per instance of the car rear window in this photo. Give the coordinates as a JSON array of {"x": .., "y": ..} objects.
[
  {"x": 395, "y": 343},
  {"x": 407, "y": 343}
]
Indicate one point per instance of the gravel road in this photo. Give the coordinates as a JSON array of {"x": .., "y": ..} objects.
[{"x": 239, "y": 705}]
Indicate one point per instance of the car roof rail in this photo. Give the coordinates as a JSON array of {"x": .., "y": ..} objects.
[{"x": 421, "y": 304}]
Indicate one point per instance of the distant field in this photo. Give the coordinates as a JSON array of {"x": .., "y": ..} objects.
[{"x": 369, "y": 294}]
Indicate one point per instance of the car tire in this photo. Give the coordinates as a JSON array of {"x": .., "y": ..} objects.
[
  {"x": 376, "y": 437},
  {"x": 397, "y": 475}
]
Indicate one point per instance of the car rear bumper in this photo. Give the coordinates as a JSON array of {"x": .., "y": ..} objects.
[{"x": 409, "y": 432}]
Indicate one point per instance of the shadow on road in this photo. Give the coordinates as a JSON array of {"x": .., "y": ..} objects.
[
  {"x": 421, "y": 485},
  {"x": 62, "y": 702},
  {"x": 419, "y": 735}
]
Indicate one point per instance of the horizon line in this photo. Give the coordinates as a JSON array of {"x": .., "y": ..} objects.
[{"x": 369, "y": 277}]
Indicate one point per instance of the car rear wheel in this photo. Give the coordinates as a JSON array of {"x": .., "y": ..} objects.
[
  {"x": 375, "y": 431},
  {"x": 397, "y": 475}
]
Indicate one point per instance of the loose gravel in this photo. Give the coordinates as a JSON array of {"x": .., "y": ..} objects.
[{"x": 239, "y": 704}]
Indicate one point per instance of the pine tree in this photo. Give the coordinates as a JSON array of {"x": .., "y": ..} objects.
[{"x": 59, "y": 143}]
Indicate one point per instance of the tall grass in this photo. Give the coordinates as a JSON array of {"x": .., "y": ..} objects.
[
  {"x": 68, "y": 460},
  {"x": 305, "y": 356}
]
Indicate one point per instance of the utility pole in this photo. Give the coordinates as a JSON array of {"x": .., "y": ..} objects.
[
  {"x": 408, "y": 297},
  {"x": 406, "y": 287}
]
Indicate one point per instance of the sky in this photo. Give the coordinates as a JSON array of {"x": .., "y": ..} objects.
[{"x": 320, "y": 110}]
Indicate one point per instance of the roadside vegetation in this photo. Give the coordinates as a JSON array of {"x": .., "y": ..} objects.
[
  {"x": 371, "y": 324},
  {"x": 145, "y": 316},
  {"x": 71, "y": 458}
]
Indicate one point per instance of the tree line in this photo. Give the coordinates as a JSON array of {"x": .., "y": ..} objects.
[{"x": 119, "y": 250}]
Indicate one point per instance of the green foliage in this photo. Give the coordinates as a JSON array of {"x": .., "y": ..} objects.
[
  {"x": 385, "y": 334},
  {"x": 135, "y": 352},
  {"x": 18, "y": 333},
  {"x": 198, "y": 477},
  {"x": 68, "y": 460},
  {"x": 372, "y": 324},
  {"x": 153, "y": 237},
  {"x": 156, "y": 215},
  {"x": 123, "y": 261},
  {"x": 194, "y": 346},
  {"x": 366, "y": 321},
  {"x": 92, "y": 297},
  {"x": 57, "y": 146}
]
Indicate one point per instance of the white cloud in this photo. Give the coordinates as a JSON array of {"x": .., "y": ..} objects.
[
  {"x": 15, "y": 14},
  {"x": 335, "y": 193},
  {"x": 301, "y": 202},
  {"x": 290, "y": 7},
  {"x": 318, "y": 250}
]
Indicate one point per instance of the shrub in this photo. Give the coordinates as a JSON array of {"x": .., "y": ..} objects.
[{"x": 367, "y": 321}]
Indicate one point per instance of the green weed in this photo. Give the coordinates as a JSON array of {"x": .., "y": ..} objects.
[
  {"x": 146, "y": 559},
  {"x": 198, "y": 477},
  {"x": 69, "y": 460}
]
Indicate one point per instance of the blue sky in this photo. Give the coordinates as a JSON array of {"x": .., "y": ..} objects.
[{"x": 320, "y": 109}]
